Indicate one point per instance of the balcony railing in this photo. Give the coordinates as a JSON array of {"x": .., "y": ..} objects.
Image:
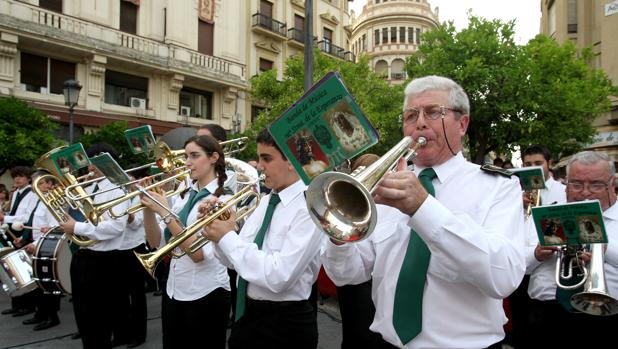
[
  {"x": 268, "y": 23},
  {"x": 398, "y": 76},
  {"x": 296, "y": 34},
  {"x": 109, "y": 40}
]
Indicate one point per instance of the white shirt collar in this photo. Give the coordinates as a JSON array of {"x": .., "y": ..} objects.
[
  {"x": 445, "y": 169},
  {"x": 212, "y": 186},
  {"x": 292, "y": 191},
  {"x": 612, "y": 212}
]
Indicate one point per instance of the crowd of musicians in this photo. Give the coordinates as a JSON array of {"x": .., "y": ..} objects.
[{"x": 451, "y": 243}]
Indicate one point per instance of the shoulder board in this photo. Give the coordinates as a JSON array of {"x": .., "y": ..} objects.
[{"x": 496, "y": 170}]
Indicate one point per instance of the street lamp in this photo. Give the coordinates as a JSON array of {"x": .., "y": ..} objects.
[{"x": 71, "y": 90}]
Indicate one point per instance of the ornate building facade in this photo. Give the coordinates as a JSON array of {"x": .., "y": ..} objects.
[
  {"x": 589, "y": 24},
  {"x": 388, "y": 31}
]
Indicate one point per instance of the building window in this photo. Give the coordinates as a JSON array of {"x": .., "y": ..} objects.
[
  {"x": 120, "y": 88},
  {"x": 265, "y": 65},
  {"x": 551, "y": 18},
  {"x": 205, "y": 37},
  {"x": 199, "y": 103},
  {"x": 572, "y": 16},
  {"x": 266, "y": 8},
  {"x": 328, "y": 40},
  {"x": 377, "y": 2},
  {"x": 410, "y": 35},
  {"x": 128, "y": 17},
  {"x": 385, "y": 35},
  {"x": 376, "y": 34},
  {"x": 393, "y": 35},
  {"x": 44, "y": 74},
  {"x": 402, "y": 34},
  {"x": 364, "y": 41},
  {"x": 255, "y": 112},
  {"x": 52, "y": 5},
  {"x": 418, "y": 36}
]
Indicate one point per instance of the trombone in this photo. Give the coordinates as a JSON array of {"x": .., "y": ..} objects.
[
  {"x": 342, "y": 205},
  {"x": 150, "y": 260},
  {"x": 234, "y": 146},
  {"x": 534, "y": 196}
]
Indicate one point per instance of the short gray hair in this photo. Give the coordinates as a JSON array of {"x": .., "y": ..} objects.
[
  {"x": 590, "y": 157},
  {"x": 457, "y": 97}
]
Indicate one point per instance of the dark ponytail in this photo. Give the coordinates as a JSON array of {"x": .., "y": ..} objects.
[{"x": 210, "y": 146}]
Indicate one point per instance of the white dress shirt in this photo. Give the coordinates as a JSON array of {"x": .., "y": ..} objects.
[
  {"x": 109, "y": 231},
  {"x": 26, "y": 205},
  {"x": 42, "y": 218},
  {"x": 610, "y": 218},
  {"x": 288, "y": 263},
  {"x": 542, "y": 285},
  {"x": 474, "y": 230},
  {"x": 189, "y": 280},
  {"x": 135, "y": 234}
]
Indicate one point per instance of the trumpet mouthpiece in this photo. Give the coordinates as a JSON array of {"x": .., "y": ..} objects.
[{"x": 421, "y": 141}]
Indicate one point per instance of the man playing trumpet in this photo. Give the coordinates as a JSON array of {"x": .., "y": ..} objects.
[{"x": 442, "y": 264}]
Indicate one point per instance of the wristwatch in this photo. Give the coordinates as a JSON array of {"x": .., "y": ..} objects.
[{"x": 168, "y": 219}]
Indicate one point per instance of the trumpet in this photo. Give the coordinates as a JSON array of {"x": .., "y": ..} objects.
[
  {"x": 150, "y": 260},
  {"x": 234, "y": 146},
  {"x": 566, "y": 263},
  {"x": 535, "y": 197},
  {"x": 595, "y": 299},
  {"x": 342, "y": 205}
]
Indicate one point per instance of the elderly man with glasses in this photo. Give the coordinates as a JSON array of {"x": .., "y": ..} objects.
[
  {"x": 448, "y": 244},
  {"x": 589, "y": 177}
]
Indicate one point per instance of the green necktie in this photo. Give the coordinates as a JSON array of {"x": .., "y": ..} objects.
[
  {"x": 194, "y": 197},
  {"x": 408, "y": 307},
  {"x": 241, "y": 290}
]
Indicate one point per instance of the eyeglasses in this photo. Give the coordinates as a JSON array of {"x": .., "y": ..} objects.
[
  {"x": 593, "y": 187},
  {"x": 431, "y": 112}
]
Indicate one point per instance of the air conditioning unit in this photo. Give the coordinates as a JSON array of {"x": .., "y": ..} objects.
[
  {"x": 138, "y": 103},
  {"x": 185, "y": 111}
]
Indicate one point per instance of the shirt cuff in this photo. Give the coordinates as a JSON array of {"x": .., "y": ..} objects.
[
  {"x": 229, "y": 242},
  {"x": 10, "y": 219},
  {"x": 429, "y": 218}
]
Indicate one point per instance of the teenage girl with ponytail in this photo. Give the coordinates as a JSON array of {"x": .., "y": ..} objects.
[{"x": 197, "y": 297}]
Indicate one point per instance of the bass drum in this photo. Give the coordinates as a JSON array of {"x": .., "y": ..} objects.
[
  {"x": 52, "y": 262},
  {"x": 16, "y": 273}
]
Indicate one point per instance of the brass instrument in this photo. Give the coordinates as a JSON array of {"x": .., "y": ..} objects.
[
  {"x": 342, "y": 205},
  {"x": 150, "y": 260},
  {"x": 55, "y": 199},
  {"x": 595, "y": 299},
  {"x": 234, "y": 146},
  {"x": 566, "y": 263},
  {"x": 535, "y": 197}
]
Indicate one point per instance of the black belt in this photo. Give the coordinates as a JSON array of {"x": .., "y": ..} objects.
[{"x": 266, "y": 305}]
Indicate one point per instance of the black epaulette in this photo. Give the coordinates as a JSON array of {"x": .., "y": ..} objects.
[{"x": 496, "y": 170}]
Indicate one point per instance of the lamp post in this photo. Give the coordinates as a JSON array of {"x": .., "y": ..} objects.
[{"x": 71, "y": 90}]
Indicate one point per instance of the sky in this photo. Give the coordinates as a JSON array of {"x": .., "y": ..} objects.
[{"x": 526, "y": 12}]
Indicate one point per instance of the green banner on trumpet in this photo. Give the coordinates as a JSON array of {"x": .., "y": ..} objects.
[
  {"x": 141, "y": 139},
  {"x": 323, "y": 129},
  {"x": 70, "y": 159},
  {"x": 110, "y": 168},
  {"x": 572, "y": 223},
  {"x": 530, "y": 178}
]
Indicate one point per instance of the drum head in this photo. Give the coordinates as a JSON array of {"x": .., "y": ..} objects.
[{"x": 63, "y": 264}]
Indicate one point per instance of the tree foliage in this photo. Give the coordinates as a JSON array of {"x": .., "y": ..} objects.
[
  {"x": 113, "y": 134},
  {"x": 380, "y": 102},
  {"x": 25, "y": 135},
  {"x": 542, "y": 92}
]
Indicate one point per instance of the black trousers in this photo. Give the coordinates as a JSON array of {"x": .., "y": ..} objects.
[
  {"x": 47, "y": 305},
  {"x": 275, "y": 325},
  {"x": 131, "y": 325},
  {"x": 382, "y": 344},
  {"x": 550, "y": 324},
  {"x": 357, "y": 312},
  {"x": 97, "y": 300},
  {"x": 184, "y": 322},
  {"x": 519, "y": 303}
]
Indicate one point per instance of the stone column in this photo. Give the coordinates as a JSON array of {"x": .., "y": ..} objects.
[
  {"x": 96, "y": 82},
  {"x": 8, "y": 54}
]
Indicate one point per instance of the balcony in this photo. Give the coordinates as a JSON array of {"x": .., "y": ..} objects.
[
  {"x": 296, "y": 35},
  {"x": 80, "y": 35},
  {"x": 336, "y": 51},
  {"x": 269, "y": 26},
  {"x": 398, "y": 76}
]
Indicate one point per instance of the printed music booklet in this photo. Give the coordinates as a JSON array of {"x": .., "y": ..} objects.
[
  {"x": 70, "y": 159},
  {"x": 530, "y": 178},
  {"x": 572, "y": 223},
  {"x": 141, "y": 139},
  {"x": 323, "y": 128}
]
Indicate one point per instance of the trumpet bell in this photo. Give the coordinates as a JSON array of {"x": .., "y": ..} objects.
[
  {"x": 595, "y": 303},
  {"x": 341, "y": 206}
]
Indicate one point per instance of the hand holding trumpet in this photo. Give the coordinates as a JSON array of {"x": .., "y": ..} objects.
[
  {"x": 401, "y": 189},
  {"x": 218, "y": 227}
]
